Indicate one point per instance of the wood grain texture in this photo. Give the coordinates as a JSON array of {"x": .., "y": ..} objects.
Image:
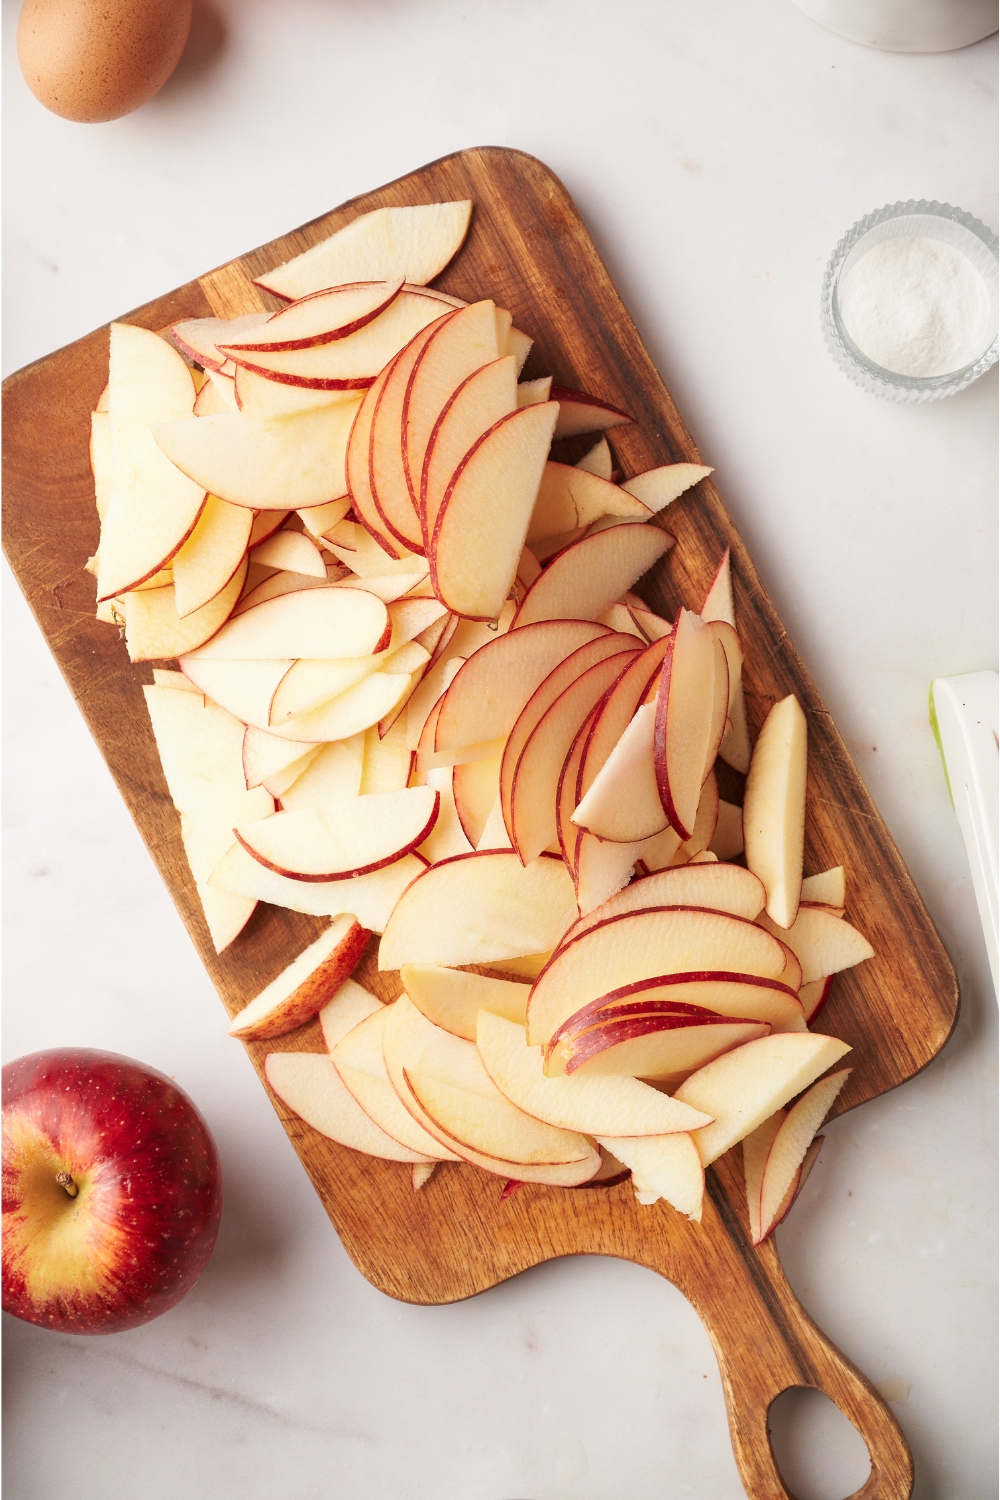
[{"x": 528, "y": 249}]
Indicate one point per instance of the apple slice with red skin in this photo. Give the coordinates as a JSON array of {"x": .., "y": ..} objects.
[
  {"x": 245, "y": 689},
  {"x": 307, "y": 984},
  {"x": 566, "y": 793},
  {"x": 358, "y": 473},
  {"x": 623, "y": 803},
  {"x": 823, "y": 942},
  {"x": 218, "y": 394},
  {"x": 452, "y": 998},
  {"x": 586, "y": 578},
  {"x": 633, "y": 945},
  {"x": 266, "y": 523},
  {"x": 370, "y": 898},
  {"x": 265, "y": 755},
  {"x": 311, "y": 623},
  {"x": 705, "y": 822},
  {"x": 602, "y": 869},
  {"x": 211, "y": 555},
  {"x": 291, "y": 551},
  {"x": 148, "y": 381},
  {"x": 828, "y": 888},
  {"x": 475, "y": 547},
  {"x": 579, "y": 412},
  {"x": 635, "y": 686},
  {"x": 815, "y": 995},
  {"x": 569, "y": 497},
  {"x": 484, "y": 398},
  {"x": 332, "y": 774},
  {"x": 619, "y": 1105},
  {"x": 743, "y": 1087},
  {"x": 310, "y": 1086},
  {"x": 369, "y": 833},
  {"x": 198, "y": 338},
  {"x": 656, "y": 488},
  {"x": 599, "y": 461},
  {"x": 652, "y": 1044},
  {"x": 415, "y": 242},
  {"x": 663, "y": 1166},
  {"x": 152, "y": 510},
  {"x": 530, "y": 392},
  {"x": 721, "y": 887},
  {"x": 321, "y": 318},
  {"x": 112, "y": 1191},
  {"x": 155, "y": 632},
  {"x": 691, "y": 709},
  {"x": 535, "y": 783},
  {"x": 791, "y": 1141},
  {"x": 481, "y": 908},
  {"x": 475, "y": 787},
  {"x": 774, "y": 809}
]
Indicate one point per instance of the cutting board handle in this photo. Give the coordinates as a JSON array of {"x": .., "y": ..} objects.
[{"x": 766, "y": 1343}]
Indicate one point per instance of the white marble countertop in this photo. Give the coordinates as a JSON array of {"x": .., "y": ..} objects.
[{"x": 717, "y": 153}]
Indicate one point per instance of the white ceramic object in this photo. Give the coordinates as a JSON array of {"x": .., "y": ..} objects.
[{"x": 906, "y": 25}]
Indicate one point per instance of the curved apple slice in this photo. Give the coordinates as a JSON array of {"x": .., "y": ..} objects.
[
  {"x": 451, "y": 998},
  {"x": 579, "y": 412},
  {"x": 623, "y": 802},
  {"x": 586, "y": 578},
  {"x": 652, "y": 1044},
  {"x": 416, "y": 242},
  {"x": 308, "y": 983},
  {"x": 309, "y": 1084},
  {"x": 789, "y": 1145},
  {"x": 622, "y": 949},
  {"x": 244, "y": 688},
  {"x": 690, "y": 717},
  {"x": 212, "y": 553},
  {"x": 591, "y": 1105},
  {"x": 634, "y": 687},
  {"x": 368, "y": 702},
  {"x": 480, "y": 908},
  {"x": 721, "y": 887},
  {"x": 152, "y": 510},
  {"x": 291, "y": 550},
  {"x": 822, "y": 941},
  {"x": 321, "y": 318},
  {"x": 357, "y": 472},
  {"x": 370, "y": 898},
  {"x": 456, "y": 350},
  {"x": 475, "y": 788},
  {"x": 370, "y": 832},
  {"x": 658, "y": 487},
  {"x": 199, "y": 337},
  {"x": 662, "y": 1166},
  {"x": 358, "y": 1058},
  {"x": 154, "y": 631},
  {"x": 774, "y": 809},
  {"x": 313, "y": 623},
  {"x": 569, "y": 498},
  {"x": 148, "y": 381},
  {"x": 474, "y": 407}
]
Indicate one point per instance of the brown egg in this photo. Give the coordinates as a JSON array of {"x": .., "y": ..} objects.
[{"x": 93, "y": 60}]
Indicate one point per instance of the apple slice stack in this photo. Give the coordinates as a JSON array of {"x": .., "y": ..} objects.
[{"x": 417, "y": 696}]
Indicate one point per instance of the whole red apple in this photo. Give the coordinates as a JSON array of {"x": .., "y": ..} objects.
[{"x": 111, "y": 1191}]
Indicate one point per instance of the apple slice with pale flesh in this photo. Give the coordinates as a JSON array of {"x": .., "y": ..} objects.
[
  {"x": 292, "y": 551},
  {"x": 602, "y": 869},
  {"x": 211, "y": 555},
  {"x": 358, "y": 1058},
  {"x": 313, "y": 623},
  {"x": 705, "y": 821},
  {"x": 566, "y": 793},
  {"x": 244, "y": 688},
  {"x": 308, "y": 983},
  {"x": 390, "y": 588},
  {"x": 651, "y": 1044},
  {"x": 662, "y": 1166},
  {"x": 332, "y": 775},
  {"x": 311, "y": 1087},
  {"x": 743, "y": 1087},
  {"x": 828, "y": 888},
  {"x": 475, "y": 546},
  {"x": 370, "y": 898},
  {"x": 265, "y": 400},
  {"x": 484, "y": 398},
  {"x": 155, "y": 632},
  {"x": 441, "y": 1080},
  {"x": 623, "y": 803},
  {"x": 619, "y": 617},
  {"x": 152, "y": 510},
  {"x": 598, "y": 460},
  {"x": 387, "y": 761},
  {"x": 718, "y": 606},
  {"x": 636, "y": 685},
  {"x": 458, "y": 348},
  {"x": 531, "y": 392},
  {"x": 656, "y": 488},
  {"x": 225, "y": 915},
  {"x": 691, "y": 709},
  {"x": 358, "y": 837},
  {"x": 447, "y": 837},
  {"x": 823, "y": 942},
  {"x": 579, "y": 412},
  {"x": 814, "y": 996},
  {"x": 535, "y": 783},
  {"x": 789, "y": 1145},
  {"x": 475, "y": 787},
  {"x": 323, "y": 518},
  {"x": 264, "y": 754},
  {"x": 621, "y": 1106},
  {"x": 569, "y": 497},
  {"x": 148, "y": 381},
  {"x": 198, "y": 338},
  {"x": 451, "y": 998},
  {"x": 266, "y": 523},
  {"x": 308, "y": 684},
  {"x": 494, "y": 834},
  {"x": 273, "y": 586},
  {"x": 357, "y": 471},
  {"x": 633, "y": 945},
  {"x": 495, "y": 683},
  {"x": 279, "y": 782},
  {"x": 413, "y": 242},
  {"x": 356, "y": 709},
  {"x": 722, "y": 887},
  {"x": 480, "y": 908},
  {"x": 586, "y": 578},
  {"x": 774, "y": 809},
  {"x": 218, "y": 394},
  {"x": 321, "y": 318}
]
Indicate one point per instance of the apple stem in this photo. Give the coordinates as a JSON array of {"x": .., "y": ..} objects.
[{"x": 65, "y": 1181}]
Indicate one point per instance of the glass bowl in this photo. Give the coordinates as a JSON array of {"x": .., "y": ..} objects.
[{"x": 938, "y": 221}]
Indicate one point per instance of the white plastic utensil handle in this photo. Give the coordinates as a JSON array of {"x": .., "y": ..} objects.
[{"x": 964, "y": 712}]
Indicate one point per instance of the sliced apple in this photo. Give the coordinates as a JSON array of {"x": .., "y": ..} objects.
[
  {"x": 357, "y": 471},
  {"x": 225, "y": 915},
  {"x": 722, "y": 887},
  {"x": 598, "y": 460},
  {"x": 570, "y": 497},
  {"x": 152, "y": 509},
  {"x": 601, "y": 869},
  {"x": 690, "y": 717},
  {"x": 358, "y": 1058},
  {"x": 211, "y": 555},
  {"x": 743, "y": 1087},
  {"x": 651, "y": 1044},
  {"x": 586, "y": 578},
  {"x": 308, "y": 983},
  {"x": 662, "y": 1166},
  {"x": 531, "y": 392},
  {"x": 814, "y": 996},
  {"x": 387, "y": 760},
  {"x": 656, "y": 488},
  {"x": 705, "y": 823},
  {"x": 292, "y": 551},
  {"x": 413, "y": 242},
  {"x": 370, "y": 898},
  {"x": 475, "y": 788},
  {"x": 148, "y": 381},
  {"x": 623, "y": 802},
  {"x": 388, "y": 474},
  {"x": 822, "y": 941},
  {"x": 312, "y": 623},
  {"x": 244, "y": 688},
  {"x": 321, "y": 318},
  {"x": 774, "y": 809},
  {"x": 311, "y": 1087},
  {"x": 479, "y": 908},
  {"x": 620, "y": 1106},
  {"x": 452, "y": 998},
  {"x": 264, "y": 754},
  {"x": 475, "y": 546},
  {"x": 363, "y": 836},
  {"x": 331, "y": 775},
  {"x": 198, "y": 338},
  {"x": 636, "y": 685},
  {"x": 829, "y": 888},
  {"x": 789, "y": 1145},
  {"x": 155, "y": 632},
  {"x": 447, "y": 837},
  {"x": 579, "y": 412}
]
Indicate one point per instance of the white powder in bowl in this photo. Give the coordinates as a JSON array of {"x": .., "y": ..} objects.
[{"x": 916, "y": 306}]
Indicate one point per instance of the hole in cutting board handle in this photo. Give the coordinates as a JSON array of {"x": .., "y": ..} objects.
[{"x": 819, "y": 1453}]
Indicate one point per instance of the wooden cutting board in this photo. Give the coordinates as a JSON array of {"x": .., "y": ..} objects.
[{"x": 529, "y": 251}]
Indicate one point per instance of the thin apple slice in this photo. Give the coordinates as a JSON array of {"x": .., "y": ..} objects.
[
  {"x": 480, "y": 908},
  {"x": 656, "y": 488},
  {"x": 823, "y": 942},
  {"x": 288, "y": 464},
  {"x": 155, "y": 632},
  {"x": 705, "y": 822},
  {"x": 311, "y": 1087},
  {"x": 662, "y": 1166},
  {"x": 652, "y": 1044},
  {"x": 623, "y": 802},
  {"x": 292, "y": 551},
  {"x": 620, "y": 1106},
  {"x": 494, "y": 834},
  {"x": 774, "y": 809},
  {"x": 789, "y": 1145},
  {"x": 579, "y": 412},
  {"x": 321, "y": 318},
  {"x": 718, "y": 607},
  {"x": 413, "y": 242},
  {"x": 358, "y": 1058},
  {"x": 586, "y": 578},
  {"x": 566, "y": 793},
  {"x": 570, "y": 497},
  {"x": 357, "y": 472},
  {"x": 148, "y": 381},
  {"x": 225, "y": 915},
  {"x": 322, "y": 519},
  {"x": 364, "y": 835},
  {"x": 387, "y": 761},
  {"x": 829, "y": 888},
  {"x": 598, "y": 460},
  {"x": 211, "y": 555},
  {"x": 307, "y": 684},
  {"x": 264, "y": 754},
  {"x": 743, "y": 1087},
  {"x": 625, "y": 948},
  {"x": 447, "y": 837},
  {"x": 152, "y": 510},
  {"x": 619, "y": 617},
  {"x": 602, "y": 869},
  {"x": 722, "y": 887},
  {"x": 198, "y": 338},
  {"x": 244, "y": 688},
  {"x": 637, "y": 684},
  {"x": 333, "y": 774},
  {"x": 451, "y": 998},
  {"x": 475, "y": 547},
  {"x": 814, "y": 996},
  {"x": 389, "y": 588},
  {"x": 279, "y": 782},
  {"x": 262, "y": 399},
  {"x": 690, "y": 717},
  {"x": 312, "y": 623},
  {"x": 371, "y": 898},
  {"x": 475, "y": 406},
  {"x": 368, "y": 702},
  {"x": 475, "y": 787},
  {"x": 531, "y": 392},
  {"x": 458, "y": 348},
  {"x": 308, "y": 983}
]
